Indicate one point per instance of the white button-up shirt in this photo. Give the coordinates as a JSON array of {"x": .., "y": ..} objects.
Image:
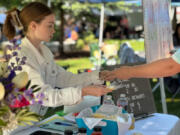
[{"x": 43, "y": 71}]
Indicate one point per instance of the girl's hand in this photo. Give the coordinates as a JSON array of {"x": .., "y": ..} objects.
[{"x": 95, "y": 90}]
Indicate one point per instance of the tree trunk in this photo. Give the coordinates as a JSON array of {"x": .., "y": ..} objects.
[
  {"x": 174, "y": 20},
  {"x": 61, "y": 28}
]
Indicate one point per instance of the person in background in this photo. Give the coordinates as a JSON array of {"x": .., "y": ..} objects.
[
  {"x": 0, "y": 32},
  {"x": 125, "y": 26},
  {"x": 74, "y": 32},
  {"x": 176, "y": 36},
  {"x": 2, "y": 37},
  {"x": 59, "y": 86},
  {"x": 67, "y": 31}
]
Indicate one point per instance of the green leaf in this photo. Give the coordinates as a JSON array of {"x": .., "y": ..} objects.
[
  {"x": 2, "y": 113},
  {"x": 29, "y": 118},
  {"x": 31, "y": 114},
  {"x": 34, "y": 86},
  {"x": 28, "y": 122},
  {"x": 25, "y": 123},
  {"x": 36, "y": 90},
  {"x": 1, "y": 133},
  {"x": 29, "y": 82},
  {"x": 2, "y": 123},
  {"x": 21, "y": 124},
  {"x": 4, "y": 110},
  {"x": 26, "y": 117},
  {"x": 21, "y": 113}
]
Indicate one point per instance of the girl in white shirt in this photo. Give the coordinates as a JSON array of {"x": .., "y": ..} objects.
[{"x": 37, "y": 22}]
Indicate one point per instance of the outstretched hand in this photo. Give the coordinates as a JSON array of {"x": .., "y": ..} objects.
[
  {"x": 107, "y": 75},
  {"x": 95, "y": 90},
  {"x": 120, "y": 73}
]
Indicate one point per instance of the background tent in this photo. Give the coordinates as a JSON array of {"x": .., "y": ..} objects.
[
  {"x": 175, "y": 2},
  {"x": 102, "y": 18},
  {"x": 2, "y": 18}
]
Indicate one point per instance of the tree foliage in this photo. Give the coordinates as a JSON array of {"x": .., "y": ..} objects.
[
  {"x": 9, "y": 4},
  {"x": 73, "y": 8}
]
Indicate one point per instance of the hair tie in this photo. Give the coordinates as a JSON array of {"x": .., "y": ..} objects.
[{"x": 15, "y": 20}]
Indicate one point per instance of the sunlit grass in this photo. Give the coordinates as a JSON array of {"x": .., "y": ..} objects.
[
  {"x": 172, "y": 107},
  {"x": 75, "y": 64},
  {"x": 169, "y": 100},
  {"x": 1, "y": 52},
  {"x": 137, "y": 45}
]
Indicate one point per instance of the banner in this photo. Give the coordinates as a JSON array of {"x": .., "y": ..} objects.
[{"x": 157, "y": 29}]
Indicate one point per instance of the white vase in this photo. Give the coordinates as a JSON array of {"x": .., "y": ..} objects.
[
  {"x": 8, "y": 131},
  {"x": 11, "y": 126}
]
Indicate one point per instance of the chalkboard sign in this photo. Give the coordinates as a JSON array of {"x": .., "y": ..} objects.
[{"x": 139, "y": 94}]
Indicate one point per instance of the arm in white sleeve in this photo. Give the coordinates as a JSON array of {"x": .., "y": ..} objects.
[
  {"x": 55, "y": 97},
  {"x": 66, "y": 79}
]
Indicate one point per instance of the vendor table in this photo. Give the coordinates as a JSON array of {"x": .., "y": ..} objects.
[{"x": 156, "y": 124}]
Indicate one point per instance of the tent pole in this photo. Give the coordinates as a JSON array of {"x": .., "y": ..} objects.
[
  {"x": 163, "y": 95},
  {"x": 101, "y": 33},
  {"x": 49, "y": 3}
]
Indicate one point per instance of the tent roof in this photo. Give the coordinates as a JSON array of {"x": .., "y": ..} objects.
[
  {"x": 138, "y": 2},
  {"x": 104, "y": 1},
  {"x": 116, "y": 12},
  {"x": 2, "y": 18},
  {"x": 98, "y": 1},
  {"x": 175, "y": 2}
]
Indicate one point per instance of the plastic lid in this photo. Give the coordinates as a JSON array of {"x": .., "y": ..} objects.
[
  {"x": 68, "y": 132},
  {"x": 82, "y": 130},
  {"x": 61, "y": 113},
  {"x": 97, "y": 128},
  {"x": 122, "y": 95},
  {"x": 108, "y": 97}
]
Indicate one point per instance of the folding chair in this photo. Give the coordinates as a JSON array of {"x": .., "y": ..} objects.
[{"x": 173, "y": 85}]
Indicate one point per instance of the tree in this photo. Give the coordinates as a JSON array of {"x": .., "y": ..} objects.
[
  {"x": 10, "y": 4},
  {"x": 61, "y": 7},
  {"x": 69, "y": 6}
]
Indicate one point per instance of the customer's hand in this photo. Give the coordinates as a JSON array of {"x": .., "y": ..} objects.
[
  {"x": 95, "y": 90},
  {"x": 103, "y": 75},
  {"x": 120, "y": 73}
]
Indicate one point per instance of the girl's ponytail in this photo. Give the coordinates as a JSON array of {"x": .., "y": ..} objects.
[
  {"x": 20, "y": 20},
  {"x": 11, "y": 23},
  {"x": 8, "y": 28}
]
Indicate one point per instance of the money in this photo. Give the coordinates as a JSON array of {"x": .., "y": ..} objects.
[{"x": 109, "y": 86}]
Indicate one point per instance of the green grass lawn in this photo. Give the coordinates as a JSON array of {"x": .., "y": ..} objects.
[
  {"x": 82, "y": 63},
  {"x": 1, "y": 52},
  {"x": 173, "y": 107},
  {"x": 137, "y": 45},
  {"x": 75, "y": 64}
]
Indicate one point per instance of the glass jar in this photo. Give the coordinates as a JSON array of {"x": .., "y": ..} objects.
[
  {"x": 122, "y": 101},
  {"x": 108, "y": 100},
  {"x": 68, "y": 132},
  {"x": 97, "y": 131},
  {"x": 82, "y": 131}
]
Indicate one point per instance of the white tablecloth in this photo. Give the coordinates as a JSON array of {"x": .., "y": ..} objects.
[{"x": 158, "y": 124}]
